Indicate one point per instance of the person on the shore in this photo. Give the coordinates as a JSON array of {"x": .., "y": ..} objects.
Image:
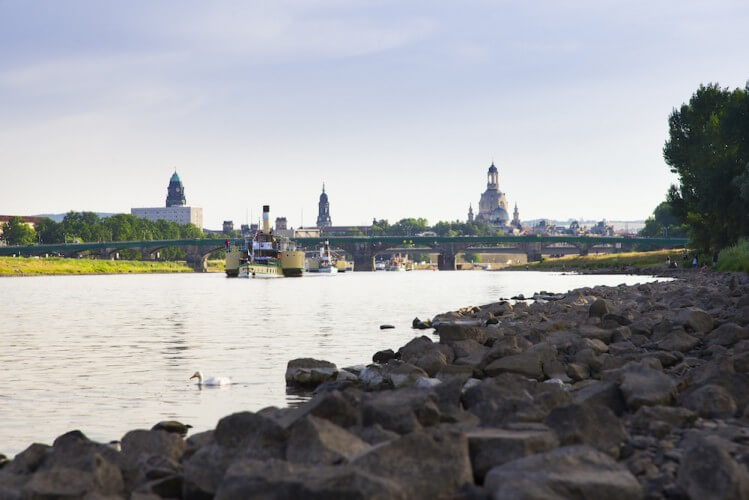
[{"x": 694, "y": 262}]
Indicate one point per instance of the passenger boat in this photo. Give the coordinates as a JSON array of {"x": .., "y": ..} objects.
[
  {"x": 323, "y": 261},
  {"x": 265, "y": 255},
  {"x": 398, "y": 263}
]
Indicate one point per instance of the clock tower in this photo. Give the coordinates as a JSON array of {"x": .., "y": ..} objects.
[{"x": 175, "y": 192}]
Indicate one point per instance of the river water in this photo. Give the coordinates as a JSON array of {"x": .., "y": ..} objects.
[{"x": 107, "y": 354}]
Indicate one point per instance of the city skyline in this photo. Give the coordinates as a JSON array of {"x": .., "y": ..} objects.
[{"x": 399, "y": 107}]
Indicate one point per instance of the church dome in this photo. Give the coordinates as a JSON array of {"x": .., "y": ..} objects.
[
  {"x": 499, "y": 216},
  {"x": 492, "y": 169}
]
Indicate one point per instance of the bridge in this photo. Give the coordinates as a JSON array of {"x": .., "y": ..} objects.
[{"x": 364, "y": 249}]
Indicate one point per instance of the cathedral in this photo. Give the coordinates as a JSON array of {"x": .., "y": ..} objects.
[{"x": 493, "y": 207}]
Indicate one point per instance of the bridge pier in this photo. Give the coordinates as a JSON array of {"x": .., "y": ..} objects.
[
  {"x": 446, "y": 261},
  {"x": 533, "y": 252},
  {"x": 364, "y": 263}
]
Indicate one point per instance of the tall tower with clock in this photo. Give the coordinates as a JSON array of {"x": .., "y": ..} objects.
[{"x": 175, "y": 196}]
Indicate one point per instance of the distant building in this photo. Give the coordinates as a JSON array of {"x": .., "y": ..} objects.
[
  {"x": 323, "y": 210},
  {"x": 228, "y": 226},
  {"x": 175, "y": 210},
  {"x": 245, "y": 229},
  {"x": 516, "y": 218},
  {"x": 493, "y": 203},
  {"x": 281, "y": 224},
  {"x": 603, "y": 228},
  {"x": 470, "y": 213},
  {"x": 28, "y": 220}
]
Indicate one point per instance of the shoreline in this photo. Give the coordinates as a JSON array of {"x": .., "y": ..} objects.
[{"x": 632, "y": 391}]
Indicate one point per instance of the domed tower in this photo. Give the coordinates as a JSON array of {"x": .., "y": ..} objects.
[
  {"x": 323, "y": 210},
  {"x": 470, "y": 213},
  {"x": 493, "y": 203},
  {"x": 175, "y": 196}
]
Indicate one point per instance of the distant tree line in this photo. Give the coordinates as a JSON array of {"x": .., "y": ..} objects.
[
  {"x": 708, "y": 147},
  {"x": 89, "y": 227},
  {"x": 412, "y": 226}
]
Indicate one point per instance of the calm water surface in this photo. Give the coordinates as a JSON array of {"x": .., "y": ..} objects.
[{"x": 107, "y": 354}]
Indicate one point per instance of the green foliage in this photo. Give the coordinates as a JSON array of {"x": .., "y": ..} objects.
[
  {"x": 735, "y": 258},
  {"x": 708, "y": 147},
  {"x": 458, "y": 228},
  {"x": 663, "y": 224},
  {"x": 17, "y": 232},
  {"x": 473, "y": 258}
]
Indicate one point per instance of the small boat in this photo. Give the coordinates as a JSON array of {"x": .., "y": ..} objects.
[
  {"x": 322, "y": 262},
  {"x": 398, "y": 263},
  {"x": 265, "y": 255}
]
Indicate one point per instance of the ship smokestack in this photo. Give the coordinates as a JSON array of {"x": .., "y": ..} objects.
[{"x": 266, "y": 219}]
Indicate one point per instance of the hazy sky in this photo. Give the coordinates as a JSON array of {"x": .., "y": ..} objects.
[{"x": 398, "y": 106}]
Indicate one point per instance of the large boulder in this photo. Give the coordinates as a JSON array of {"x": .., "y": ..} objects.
[
  {"x": 309, "y": 373},
  {"x": 427, "y": 355},
  {"x": 594, "y": 425},
  {"x": 709, "y": 472},
  {"x": 599, "y": 308},
  {"x": 644, "y": 386},
  {"x": 696, "y": 320},
  {"x": 601, "y": 393},
  {"x": 332, "y": 406},
  {"x": 454, "y": 332},
  {"x": 527, "y": 364},
  {"x": 316, "y": 441},
  {"x": 255, "y": 435},
  {"x": 275, "y": 479},
  {"x": 402, "y": 411},
  {"x": 679, "y": 341},
  {"x": 577, "y": 472},
  {"x": 490, "y": 447},
  {"x": 402, "y": 374},
  {"x": 425, "y": 465},
  {"x": 710, "y": 400},
  {"x": 469, "y": 352},
  {"x": 162, "y": 443}
]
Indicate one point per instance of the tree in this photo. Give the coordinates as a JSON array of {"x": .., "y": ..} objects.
[
  {"x": 17, "y": 232},
  {"x": 708, "y": 147},
  {"x": 47, "y": 231},
  {"x": 473, "y": 258},
  {"x": 663, "y": 223}
]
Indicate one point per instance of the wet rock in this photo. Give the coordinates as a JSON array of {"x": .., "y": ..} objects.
[
  {"x": 309, "y": 373},
  {"x": 421, "y": 325},
  {"x": 644, "y": 386},
  {"x": 490, "y": 447},
  {"x": 708, "y": 471},
  {"x": 172, "y": 426},
  {"x": 710, "y": 401},
  {"x": 568, "y": 472},
  {"x": 453, "y": 332},
  {"x": 594, "y": 425},
  {"x": 427, "y": 355},
  {"x": 372, "y": 378},
  {"x": 696, "y": 320},
  {"x": 382, "y": 357},
  {"x": 425, "y": 465},
  {"x": 402, "y": 374},
  {"x": 401, "y": 411},
  {"x": 317, "y": 441}
]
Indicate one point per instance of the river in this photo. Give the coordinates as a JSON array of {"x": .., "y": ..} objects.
[{"x": 107, "y": 354}]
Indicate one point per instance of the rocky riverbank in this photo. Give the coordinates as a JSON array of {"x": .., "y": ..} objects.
[{"x": 607, "y": 392}]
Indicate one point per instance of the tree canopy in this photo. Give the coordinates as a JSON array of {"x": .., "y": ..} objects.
[
  {"x": 17, "y": 232},
  {"x": 708, "y": 147}
]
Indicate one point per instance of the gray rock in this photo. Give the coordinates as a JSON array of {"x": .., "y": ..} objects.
[
  {"x": 432, "y": 362},
  {"x": 673, "y": 416},
  {"x": 142, "y": 442},
  {"x": 644, "y": 386},
  {"x": 172, "y": 426},
  {"x": 382, "y": 357},
  {"x": 252, "y": 479},
  {"x": 727, "y": 334},
  {"x": 401, "y": 411},
  {"x": 451, "y": 332},
  {"x": 599, "y": 308},
  {"x": 424, "y": 465},
  {"x": 256, "y": 436},
  {"x": 708, "y": 471},
  {"x": 678, "y": 340},
  {"x": 491, "y": 446},
  {"x": 317, "y": 441},
  {"x": 332, "y": 406},
  {"x": 594, "y": 425},
  {"x": 468, "y": 352},
  {"x": 696, "y": 320},
  {"x": 577, "y": 472},
  {"x": 372, "y": 378},
  {"x": 401, "y": 374},
  {"x": 309, "y": 373},
  {"x": 711, "y": 401},
  {"x": 526, "y": 363},
  {"x": 373, "y": 434}
]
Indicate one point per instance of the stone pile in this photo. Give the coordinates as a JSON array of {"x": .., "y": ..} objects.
[{"x": 621, "y": 392}]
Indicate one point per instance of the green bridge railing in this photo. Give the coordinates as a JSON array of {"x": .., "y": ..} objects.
[{"x": 66, "y": 248}]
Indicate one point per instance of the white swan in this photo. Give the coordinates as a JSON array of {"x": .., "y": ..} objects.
[{"x": 210, "y": 380}]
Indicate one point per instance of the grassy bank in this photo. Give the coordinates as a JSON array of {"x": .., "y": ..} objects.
[
  {"x": 215, "y": 266},
  {"x": 31, "y": 266},
  {"x": 735, "y": 258},
  {"x": 602, "y": 261}
]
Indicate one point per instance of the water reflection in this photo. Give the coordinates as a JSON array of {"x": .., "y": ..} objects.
[{"x": 107, "y": 354}]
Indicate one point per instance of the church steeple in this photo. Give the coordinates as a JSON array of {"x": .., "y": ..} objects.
[
  {"x": 492, "y": 177},
  {"x": 323, "y": 210},
  {"x": 516, "y": 218},
  {"x": 470, "y": 213}
]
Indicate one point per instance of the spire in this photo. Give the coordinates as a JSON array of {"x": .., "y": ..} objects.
[{"x": 323, "y": 187}]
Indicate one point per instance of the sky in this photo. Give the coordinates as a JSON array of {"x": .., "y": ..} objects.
[{"x": 399, "y": 107}]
